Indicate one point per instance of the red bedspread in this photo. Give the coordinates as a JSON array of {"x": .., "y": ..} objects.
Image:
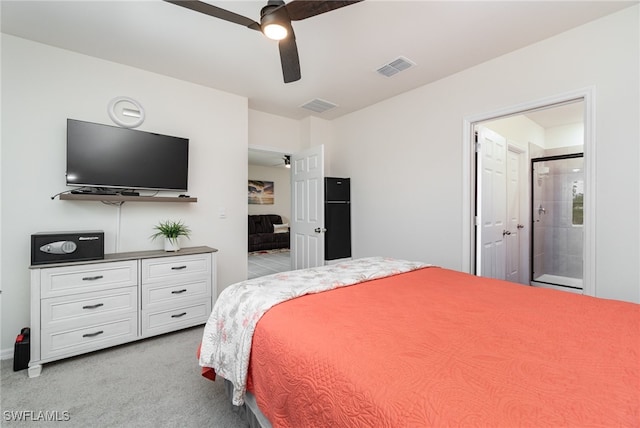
[{"x": 436, "y": 347}]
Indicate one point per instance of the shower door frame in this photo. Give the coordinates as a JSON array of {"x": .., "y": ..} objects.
[{"x": 532, "y": 208}]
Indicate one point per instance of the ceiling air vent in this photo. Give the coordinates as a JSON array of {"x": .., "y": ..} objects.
[
  {"x": 396, "y": 66},
  {"x": 318, "y": 105}
]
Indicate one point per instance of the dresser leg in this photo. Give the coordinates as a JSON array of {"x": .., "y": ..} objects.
[{"x": 34, "y": 371}]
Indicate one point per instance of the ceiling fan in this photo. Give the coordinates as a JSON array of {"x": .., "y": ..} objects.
[{"x": 275, "y": 23}]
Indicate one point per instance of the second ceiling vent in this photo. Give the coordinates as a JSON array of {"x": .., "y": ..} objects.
[
  {"x": 396, "y": 66},
  {"x": 318, "y": 105}
]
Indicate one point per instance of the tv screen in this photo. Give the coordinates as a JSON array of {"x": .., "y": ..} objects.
[{"x": 111, "y": 157}]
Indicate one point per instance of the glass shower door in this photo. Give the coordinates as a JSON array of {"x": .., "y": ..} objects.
[{"x": 557, "y": 189}]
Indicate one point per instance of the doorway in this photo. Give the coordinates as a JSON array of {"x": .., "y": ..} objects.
[
  {"x": 521, "y": 230},
  {"x": 270, "y": 166}
]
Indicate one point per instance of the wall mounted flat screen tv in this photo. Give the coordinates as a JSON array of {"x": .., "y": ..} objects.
[{"x": 105, "y": 156}]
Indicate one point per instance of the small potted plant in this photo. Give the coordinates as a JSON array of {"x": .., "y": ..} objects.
[{"x": 171, "y": 230}]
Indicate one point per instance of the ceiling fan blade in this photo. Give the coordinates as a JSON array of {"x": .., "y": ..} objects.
[
  {"x": 289, "y": 58},
  {"x": 217, "y": 12},
  {"x": 303, "y": 9}
]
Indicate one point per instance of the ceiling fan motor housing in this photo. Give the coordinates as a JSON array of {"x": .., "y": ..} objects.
[
  {"x": 274, "y": 14},
  {"x": 275, "y": 22}
]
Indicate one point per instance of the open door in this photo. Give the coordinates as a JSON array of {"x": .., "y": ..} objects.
[
  {"x": 516, "y": 252},
  {"x": 307, "y": 217},
  {"x": 491, "y": 225}
]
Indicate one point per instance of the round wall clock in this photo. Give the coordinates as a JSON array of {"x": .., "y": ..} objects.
[{"x": 126, "y": 112}]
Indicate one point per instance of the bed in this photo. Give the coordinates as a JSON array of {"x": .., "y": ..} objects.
[{"x": 392, "y": 343}]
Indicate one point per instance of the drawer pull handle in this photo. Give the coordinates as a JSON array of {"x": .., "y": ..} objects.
[
  {"x": 92, "y": 278},
  {"x": 97, "y": 333},
  {"x": 184, "y": 290},
  {"x": 97, "y": 305},
  {"x": 179, "y": 315},
  {"x": 179, "y": 267}
]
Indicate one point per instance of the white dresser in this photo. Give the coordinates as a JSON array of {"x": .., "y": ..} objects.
[{"x": 81, "y": 307}]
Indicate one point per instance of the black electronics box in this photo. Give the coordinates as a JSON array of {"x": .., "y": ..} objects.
[
  {"x": 21, "y": 350},
  {"x": 57, "y": 247}
]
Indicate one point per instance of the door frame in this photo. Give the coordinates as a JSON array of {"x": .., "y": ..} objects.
[{"x": 587, "y": 95}]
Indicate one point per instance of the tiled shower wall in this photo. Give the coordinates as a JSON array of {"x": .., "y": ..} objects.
[{"x": 558, "y": 243}]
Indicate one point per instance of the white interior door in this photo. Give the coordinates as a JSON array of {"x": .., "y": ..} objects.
[
  {"x": 307, "y": 217},
  {"x": 515, "y": 226},
  {"x": 491, "y": 222}
]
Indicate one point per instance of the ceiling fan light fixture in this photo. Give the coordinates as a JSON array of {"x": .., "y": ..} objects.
[
  {"x": 274, "y": 21},
  {"x": 275, "y": 31}
]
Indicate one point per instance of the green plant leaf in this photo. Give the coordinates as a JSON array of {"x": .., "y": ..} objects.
[{"x": 171, "y": 229}]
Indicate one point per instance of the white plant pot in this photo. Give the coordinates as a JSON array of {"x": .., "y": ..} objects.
[{"x": 171, "y": 244}]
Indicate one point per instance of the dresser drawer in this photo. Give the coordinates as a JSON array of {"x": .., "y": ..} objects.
[
  {"x": 90, "y": 338},
  {"x": 162, "y": 321},
  {"x": 178, "y": 268},
  {"x": 163, "y": 294},
  {"x": 62, "y": 281},
  {"x": 86, "y": 308}
]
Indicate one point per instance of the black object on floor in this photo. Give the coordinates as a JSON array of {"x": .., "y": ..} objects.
[{"x": 22, "y": 350}]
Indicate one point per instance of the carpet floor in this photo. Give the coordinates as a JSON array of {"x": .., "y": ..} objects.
[{"x": 150, "y": 383}]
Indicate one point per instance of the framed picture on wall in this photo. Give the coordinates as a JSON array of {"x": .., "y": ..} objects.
[{"x": 261, "y": 192}]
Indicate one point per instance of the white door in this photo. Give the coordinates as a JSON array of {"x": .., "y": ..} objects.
[
  {"x": 307, "y": 217},
  {"x": 492, "y": 211},
  {"x": 514, "y": 224}
]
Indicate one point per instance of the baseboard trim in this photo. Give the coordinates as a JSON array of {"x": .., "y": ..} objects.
[{"x": 6, "y": 354}]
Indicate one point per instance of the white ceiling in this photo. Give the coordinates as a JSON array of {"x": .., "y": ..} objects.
[{"x": 339, "y": 50}]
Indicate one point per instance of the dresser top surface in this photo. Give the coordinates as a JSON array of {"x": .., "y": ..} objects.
[{"x": 133, "y": 255}]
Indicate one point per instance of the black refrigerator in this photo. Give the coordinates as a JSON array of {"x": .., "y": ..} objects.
[{"x": 337, "y": 218}]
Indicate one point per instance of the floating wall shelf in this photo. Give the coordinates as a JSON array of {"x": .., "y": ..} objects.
[{"x": 120, "y": 198}]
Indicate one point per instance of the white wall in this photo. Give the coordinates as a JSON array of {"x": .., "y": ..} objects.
[
  {"x": 271, "y": 132},
  {"x": 281, "y": 178},
  {"x": 404, "y": 155},
  {"x": 564, "y": 136},
  {"x": 42, "y": 86},
  {"x": 316, "y": 132}
]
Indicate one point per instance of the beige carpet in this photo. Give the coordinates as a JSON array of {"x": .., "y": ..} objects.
[{"x": 150, "y": 383}]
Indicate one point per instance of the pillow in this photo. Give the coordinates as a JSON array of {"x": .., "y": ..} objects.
[{"x": 281, "y": 228}]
